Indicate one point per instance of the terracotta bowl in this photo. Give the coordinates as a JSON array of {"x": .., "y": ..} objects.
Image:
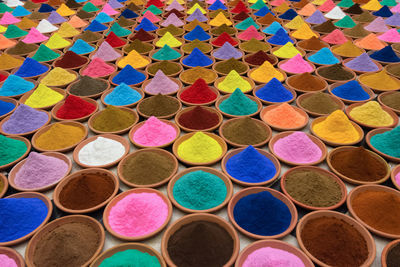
[
  {"x": 46, "y": 128},
  {"x": 169, "y": 116},
  {"x": 10, "y": 100},
  {"x": 213, "y": 171},
  {"x": 32, "y": 245},
  {"x": 386, "y": 250},
  {"x": 277, "y": 128},
  {"x": 49, "y": 206},
  {"x": 28, "y": 149},
  {"x": 84, "y": 118},
  {"x": 13, "y": 254},
  {"x": 4, "y": 181},
  {"x": 161, "y": 152},
  {"x": 183, "y": 111},
  {"x": 183, "y": 138},
  {"x": 175, "y": 80},
  {"x": 346, "y": 101},
  {"x": 314, "y": 114},
  {"x": 327, "y": 213},
  {"x": 397, "y": 111},
  {"x": 253, "y": 190},
  {"x": 122, "y": 195},
  {"x": 395, "y": 171},
  {"x": 276, "y": 244},
  {"x": 16, "y": 168},
  {"x": 221, "y": 79},
  {"x": 289, "y": 82},
  {"x": 201, "y": 104},
  {"x": 394, "y": 116},
  {"x": 222, "y": 98},
  {"x": 127, "y": 246},
  {"x": 92, "y": 118},
  {"x": 265, "y": 102},
  {"x": 114, "y": 137},
  {"x": 194, "y": 218},
  {"x": 27, "y": 133},
  {"x": 389, "y": 69},
  {"x": 28, "y": 94},
  {"x": 68, "y": 90},
  {"x": 362, "y": 188},
  {"x": 368, "y": 140},
  {"x": 107, "y": 92}
]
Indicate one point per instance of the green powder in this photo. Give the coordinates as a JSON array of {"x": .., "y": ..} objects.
[
  {"x": 345, "y": 3},
  {"x": 166, "y": 53},
  {"x": 10, "y": 149},
  {"x": 118, "y": 30},
  {"x": 199, "y": 190},
  {"x": 4, "y": 8},
  {"x": 246, "y": 24},
  {"x": 130, "y": 257},
  {"x": 153, "y": 9},
  {"x": 238, "y": 104},
  {"x": 89, "y": 7},
  {"x": 389, "y": 3},
  {"x": 14, "y": 32},
  {"x": 388, "y": 142},
  {"x": 345, "y": 22},
  {"x": 258, "y": 5},
  {"x": 45, "y": 54}
]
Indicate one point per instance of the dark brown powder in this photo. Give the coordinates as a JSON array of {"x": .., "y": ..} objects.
[
  {"x": 87, "y": 86},
  {"x": 22, "y": 48},
  {"x": 245, "y": 131},
  {"x": 215, "y": 13},
  {"x": 38, "y": 16},
  {"x": 259, "y": 58},
  {"x": 321, "y": 103},
  {"x": 357, "y": 31},
  {"x": 85, "y": 15},
  {"x": 300, "y": 4},
  {"x": 159, "y": 105},
  {"x": 393, "y": 256},
  {"x": 72, "y": 4},
  {"x": 306, "y": 82},
  {"x": 133, "y": 7},
  {"x": 268, "y": 19},
  {"x": 313, "y": 44},
  {"x": 335, "y": 72},
  {"x": 241, "y": 16},
  {"x": 326, "y": 27},
  {"x": 167, "y": 67},
  {"x": 354, "y": 10},
  {"x": 30, "y": 5},
  {"x": 392, "y": 100},
  {"x": 227, "y": 66},
  {"x": 124, "y": 22},
  {"x": 190, "y": 26}
]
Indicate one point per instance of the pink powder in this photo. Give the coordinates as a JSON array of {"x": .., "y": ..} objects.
[
  {"x": 296, "y": 65},
  {"x": 138, "y": 214},
  {"x": 161, "y": 84},
  {"x": 277, "y": 2},
  {"x": 150, "y": 16},
  {"x": 97, "y": 2},
  {"x": 396, "y": 9},
  {"x": 268, "y": 256},
  {"x": 335, "y": 37},
  {"x": 98, "y": 68},
  {"x": 250, "y": 33},
  {"x": 8, "y": 18},
  {"x": 392, "y": 36},
  {"x": 298, "y": 148},
  {"x": 109, "y": 10},
  {"x": 154, "y": 133},
  {"x": 397, "y": 178},
  {"x": 106, "y": 52},
  {"x": 172, "y": 19},
  {"x": 34, "y": 36},
  {"x": 212, "y": 1},
  {"x": 6, "y": 261},
  {"x": 327, "y": 6}
]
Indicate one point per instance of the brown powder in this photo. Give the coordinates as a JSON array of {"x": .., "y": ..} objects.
[
  {"x": 321, "y": 103},
  {"x": 22, "y": 48},
  {"x": 202, "y": 46},
  {"x": 335, "y": 72},
  {"x": 191, "y": 75},
  {"x": 392, "y": 100},
  {"x": 357, "y": 31},
  {"x": 313, "y": 44},
  {"x": 159, "y": 105},
  {"x": 227, "y": 66},
  {"x": 245, "y": 131},
  {"x": 167, "y": 67},
  {"x": 306, "y": 82},
  {"x": 364, "y": 17},
  {"x": 326, "y": 27}
]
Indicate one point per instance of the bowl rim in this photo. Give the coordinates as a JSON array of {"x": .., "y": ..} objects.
[{"x": 386, "y": 250}]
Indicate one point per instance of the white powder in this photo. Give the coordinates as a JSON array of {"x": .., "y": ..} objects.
[
  {"x": 335, "y": 13},
  {"x": 13, "y": 3},
  {"x": 101, "y": 151},
  {"x": 45, "y": 26}
]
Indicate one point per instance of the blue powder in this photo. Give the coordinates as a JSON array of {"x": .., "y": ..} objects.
[
  {"x": 197, "y": 33},
  {"x": 15, "y": 85},
  {"x": 20, "y": 216},
  {"x": 274, "y": 91},
  {"x": 262, "y": 214},
  {"x": 122, "y": 95},
  {"x": 388, "y": 142},
  {"x": 263, "y": 11},
  {"x": 324, "y": 56},
  {"x": 103, "y": 18},
  {"x": 5, "y": 107},
  {"x": 197, "y": 58},
  {"x": 288, "y": 15},
  {"x": 129, "y": 76},
  {"x": 250, "y": 166},
  {"x": 316, "y": 18},
  {"x": 55, "y": 18},
  {"x": 80, "y": 47},
  {"x": 217, "y": 5},
  {"x": 129, "y": 14},
  {"x": 351, "y": 91},
  {"x": 273, "y": 28},
  {"x": 146, "y": 25},
  {"x": 96, "y": 26},
  {"x": 386, "y": 54},
  {"x": 45, "y": 8},
  {"x": 383, "y": 12},
  {"x": 362, "y": 63},
  {"x": 31, "y": 68},
  {"x": 197, "y": 15},
  {"x": 227, "y": 51},
  {"x": 280, "y": 38},
  {"x": 20, "y": 11}
]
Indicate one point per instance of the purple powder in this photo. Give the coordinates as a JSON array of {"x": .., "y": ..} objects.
[
  {"x": 175, "y": 5},
  {"x": 362, "y": 63},
  {"x": 56, "y": 18},
  {"x": 393, "y": 20},
  {"x": 106, "y": 52},
  {"x": 197, "y": 15},
  {"x": 39, "y": 171},
  {"x": 316, "y": 18},
  {"x": 227, "y": 51},
  {"x": 378, "y": 25},
  {"x": 115, "y": 4},
  {"x": 161, "y": 84},
  {"x": 172, "y": 19},
  {"x": 25, "y": 119}
]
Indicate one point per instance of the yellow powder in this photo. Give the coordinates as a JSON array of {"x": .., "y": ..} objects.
[
  {"x": 266, "y": 72},
  {"x": 286, "y": 51},
  {"x": 318, "y": 2},
  {"x": 232, "y": 81},
  {"x": 348, "y": 49},
  {"x": 295, "y": 23},
  {"x": 219, "y": 20},
  {"x": 372, "y": 5},
  {"x": 380, "y": 81},
  {"x": 200, "y": 148},
  {"x": 56, "y": 41},
  {"x": 6, "y": 43},
  {"x": 66, "y": 30},
  {"x": 336, "y": 128},
  {"x": 9, "y": 62},
  {"x": 26, "y": 23},
  {"x": 64, "y": 11},
  {"x": 59, "y": 136},
  {"x": 2, "y": 29},
  {"x": 43, "y": 96},
  {"x": 77, "y": 22},
  {"x": 282, "y": 8},
  {"x": 304, "y": 32},
  {"x": 58, "y": 77},
  {"x": 168, "y": 39},
  {"x": 134, "y": 59},
  {"x": 371, "y": 113},
  {"x": 194, "y": 7}
]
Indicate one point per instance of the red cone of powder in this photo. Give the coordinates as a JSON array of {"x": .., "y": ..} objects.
[
  {"x": 223, "y": 38},
  {"x": 114, "y": 40},
  {"x": 74, "y": 108},
  {"x": 240, "y": 7},
  {"x": 198, "y": 93}
]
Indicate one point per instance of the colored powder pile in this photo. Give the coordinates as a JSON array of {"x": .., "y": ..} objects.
[
  {"x": 43, "y": 96},
  {"x": 154, "y": 133},
  {"x": 233, "y": 81},
  {"x": 11, "y": 149},
  {"x": 274, "y": 91},
  {"x": 122, "y": 95},
  {"x": 44, "y": 54},
  {"x": 86, "y": 190},
  {"x": 113, "y": 119},
  {"x": 198, "y": 93},
  {"x": 168, "y": 39},
  {"x": 39, "y": 171},
  {"x": 313, "y": 44},
  {"x": 386, "y": 54},
  {"x": 336, "y": 72},
  {"x": 169, "y": 68},
  {"x": 372, "y": 114},
  {"x": 8, "y": 62},
  {"x": 88, "y": 86},
  {"x": 101, "y": 151},
  {"x": 20, "y": 216},
  {"x": 129, "y": 256},
  {"x": 265, "y": 73},
  {"x": 380, "y": 81},
  {"x": 357, "y": 31},
  {"x": 259, "y": 58},
  {"x": 98, "y": 68},
  {"x": 166, "y": 53},
  {"x": 320, "y": 103},
  {"x": 324, "y": 57},
  {"x": 297, "y": 65},
  {"x": 199, "y": 190},
  {"x": 70, "y": 60},
  {"x": 227, "y": 51},
  {"x": 388, "y": 142},
  {"x": 199, "y": 118},
  {"x": 223, "y": 38},
  {"x": 25, "y": 119},
  {"x": 191, "y": 75},
  {"x": 31, "y": 68},
  {"x": 392, "y": 100},
  {"x": 7, "y": 261},
  {"x": 393, "y": 256},
  {"x": 75, "y": 107},
  {"x": 298, "y": 148},
  {"x": 138, "y": 214},
  {"x": 202, "y": 46},
  {"x": 200, "y": 148},
  {"x": 134, "y": 59},
  {"x": 139, "y": 46},
  {"x": 6, "y": 107},
  {"x": 307, "y": 82},
  {"x": 159, "y": 106},
  {"x": 262, "y": 214},
  {"x": 284, "y": 116},
  {"x": 161, "y": 84},
  {"x": 22, "y": 48},
  {"x": 370, "y": 42},
  {"x": 286, "y": 51},
  {"x": 253, "y": 45},
  {"x": 129, "y": 76},
  {"x": 250, "y": 166},
  {"x": 336, "y": 128},
  {"x": 362, "y": 63},
  {"x": 197, "y": 59},
  {"x": 267, "y": 256},
  {"x": 245, "y": 131},
  {"x": 59, "y": 136},
  {"x": 238, "y": 104},
  {"x": 58, "y": 77},
  {"x": 351, "y": 91}
]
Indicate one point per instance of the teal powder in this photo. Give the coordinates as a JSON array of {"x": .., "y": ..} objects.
[
  {"x": 388, "y": 142},
  {"x": 131, "y": 258},
  {"x": 199, "y": 190},
  {"x": 238, "y": 104}
]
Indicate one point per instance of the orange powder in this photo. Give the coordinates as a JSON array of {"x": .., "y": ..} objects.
[
  {"x": 370, "y": 42},
  {"x": 284, "y": 116},
  {"x": 6, "y": 43},
  {"x": 77, "y": 22}
]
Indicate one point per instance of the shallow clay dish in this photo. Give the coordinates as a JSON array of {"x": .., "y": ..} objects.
[
  {"x": 201, "y": 104},
  {"x": 277, "y": 128},
  {"x": 183, "y": 111},
  {"x": 13, "y": 254},
  {"x": 394, "y": 172},
  {"x": 388, "y": 110},
  {"x": 114, "y": 137},
  {"x": 389, "y": 68},
  {"x": 91, "y": 119},
  {"x": 107, "y": 92},
  {"x": 27, "y": 133},
  {"x": 221, "y": 79},
  {"x": 277, "y": 244},
  {"x": 140, "y": 151},
  {"x": 330, "y": 143},
  {"x": 253, "y": 190},
  {"x": 68, "y": 89},
  {"x": 175, "y": 80},
  {"x": 386, "y": 250},
  {"x": 255, "y": 99},
  {"x": 397, "y": 111},
  {"x": 4, "y": 180},
  {"x": 271, "y": 157},
  {"x": 169, "y": 116},
  {"x": 16, "y": 168},
  {"x": 223, "y": 177},
  {"x": 84, "y": 118},
  {"x": 46, "y": 128},
  {"x": 127, "y": 246},
  {"x": 66, "y": 180},
  {"x": 324, "y": 85},
  {"x": 368, "y": 140},
  {"x": 265, "y": 102},
  {"x": 194, "y": 218},
  {"x": 267, "y": 130},
  {"x": 183, "y": 138},
  {"x": 327, "y": 213},
  {"x": 314, "y": 114},
  {"x": 28, "y": 149},
  {"x": 32, "y": 245},
  {"x": 10, "y": 100},
  {"x": 122, "y": 195},
  {"x": 362, "y": 188},
  {"x": 346, "y": 101},
  {"x": 49, "y": 206}
]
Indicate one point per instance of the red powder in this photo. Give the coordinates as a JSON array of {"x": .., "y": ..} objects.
[
  {"x": 241, "y": 16},
  {"x": 250, "y": 33},
  {"x": 223, "y": 38},
  {"x": 70, "y": 60},
  {"x": 113, "y": 40},
  {"x": 143, "y": 36},
  {"x": 74, "y": 108},
  {"x": 240, "y": 7},
  {"x": 199, "y": 118},
  {"x": 3, "y": 77},
  {"x": 156, "y": 3},
  {"x": 176, "y": 12},
  {"x": 39, "y": 1},
  {"x": 335, "y": 37},
  {"x": 198, "y": 93}
]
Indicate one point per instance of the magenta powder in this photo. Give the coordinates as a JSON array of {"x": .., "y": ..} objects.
[
  {"x": 391, "y": 36},
  {"x": 138, "y": 214},
  {"x": 272, "y": 257},
  {"x": 6, "y": 261},
  {"x": 154, "y": 133},
  {"x": 397, "y": 178},
  {"x": 296, "y": 65},
  {"x": 98, "y": 68},
  {"x": 39, "y": 171},
  {"x": 298, "y": 148}
]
